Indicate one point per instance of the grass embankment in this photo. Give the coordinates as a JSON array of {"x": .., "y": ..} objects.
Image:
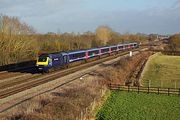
[
  {"x": 134, "y": 106},
  {"x": 162, "y": 71}
]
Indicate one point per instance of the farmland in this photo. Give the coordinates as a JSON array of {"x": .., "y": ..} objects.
[
  {"x": 134, "y": 106},
  {"x": 162, "y": 71}
]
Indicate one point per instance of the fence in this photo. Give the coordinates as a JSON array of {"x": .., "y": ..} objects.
[{"x": 157, "y": 90}]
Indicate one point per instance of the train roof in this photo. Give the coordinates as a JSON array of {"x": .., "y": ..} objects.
[
  {"x": 84, "y": 50},
  {"x": 105, "y": 47},
  {"x": 92, "y": 49},
  {"x": 121, "y": 44},
  {"x": 113, "y": 46},
  {"x": 127, "y": 44},
  {"x": 76, "y": 51}
]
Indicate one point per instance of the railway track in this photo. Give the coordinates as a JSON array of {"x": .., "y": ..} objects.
[
  {"x": 15, "y": 73},
  {"x": 16, "y": 86}
]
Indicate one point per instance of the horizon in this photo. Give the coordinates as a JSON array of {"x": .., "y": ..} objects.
[{"x": 141, "y": 16}]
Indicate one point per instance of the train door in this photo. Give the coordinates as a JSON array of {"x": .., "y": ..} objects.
[
  {"x": 65, "y": 59},
  {"x": 50, "y": 61}
]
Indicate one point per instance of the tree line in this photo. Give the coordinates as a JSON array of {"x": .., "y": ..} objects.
[
  {"x": 174, "y": 42},
  {"x": 20, "y": 42}
]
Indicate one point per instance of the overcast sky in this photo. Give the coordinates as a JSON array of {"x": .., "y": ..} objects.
[{"x": 145, "y": 16}]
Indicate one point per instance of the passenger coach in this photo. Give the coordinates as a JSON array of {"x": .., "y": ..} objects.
[{"x": 62, "y": 59}]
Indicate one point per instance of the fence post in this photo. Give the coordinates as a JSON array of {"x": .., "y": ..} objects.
[
  {"x": 168, "y": 91},
  {"x": 179, "y": 91},
  {"x": 138, "y": 89},
  {"x": 128, "y": 88},
  {"x": 158, "y": 90},
  {"x": 148, "y": 89}
]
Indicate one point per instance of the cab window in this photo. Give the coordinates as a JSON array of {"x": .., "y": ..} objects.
[{"x": 41, "y": 59}]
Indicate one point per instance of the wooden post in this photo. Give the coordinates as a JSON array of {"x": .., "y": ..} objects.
[
  {"x": 179, "y": 91},
  {"x": 149, "y": 83},
  {"x": 130, "y": 54},
  {"x": 148, "y": 89},
  {"x": 128, "y": 88},
  {"x": 168, "y": 91},
  {"x": 138, "y": 89}
]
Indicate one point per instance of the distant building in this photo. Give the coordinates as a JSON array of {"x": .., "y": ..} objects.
[{"x": 153, "y": 37}]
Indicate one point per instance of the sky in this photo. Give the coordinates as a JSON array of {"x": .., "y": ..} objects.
[{"x": 124, "y": 16}]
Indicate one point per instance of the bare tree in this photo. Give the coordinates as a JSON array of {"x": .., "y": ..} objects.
[
  {"x": 16, "y": 44},
  {"x": 103, "y": 34}
]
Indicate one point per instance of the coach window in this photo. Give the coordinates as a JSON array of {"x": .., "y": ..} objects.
[
  {"x": 75, "y": 55},
  {"x": 97, "y": 51},
  {"x": 120, "y": 47},
  {"x": 114, "y": 48},
  {"x": 78, "y": 55},
  {"x": 71, "y": 56}
]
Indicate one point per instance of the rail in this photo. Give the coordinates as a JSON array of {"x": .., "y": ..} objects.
[{"x": 157, "y": 90}]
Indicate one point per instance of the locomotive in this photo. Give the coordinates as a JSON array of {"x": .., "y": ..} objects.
[{"x": 45, "y": 62}]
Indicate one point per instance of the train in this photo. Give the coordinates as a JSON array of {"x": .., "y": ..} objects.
[{"x": 45, "y": 62}]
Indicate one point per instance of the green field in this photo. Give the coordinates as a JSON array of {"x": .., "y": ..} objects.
[
  {"x": 162, "y": 71},
  {"x": 134, "y": 106}
]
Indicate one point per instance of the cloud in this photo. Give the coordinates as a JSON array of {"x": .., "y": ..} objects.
[
  {"x": 84, "y": 15},
  {"x": 176, "y": 4},
  {"x": 31, "y": 8}
]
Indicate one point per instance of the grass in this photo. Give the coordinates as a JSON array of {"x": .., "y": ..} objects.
[
  {"x": 162, "y": 71},
  {"x": 134, "y": 106}
]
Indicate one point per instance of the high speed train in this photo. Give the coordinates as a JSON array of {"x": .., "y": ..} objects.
[{"x": 45, "y": 62}]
